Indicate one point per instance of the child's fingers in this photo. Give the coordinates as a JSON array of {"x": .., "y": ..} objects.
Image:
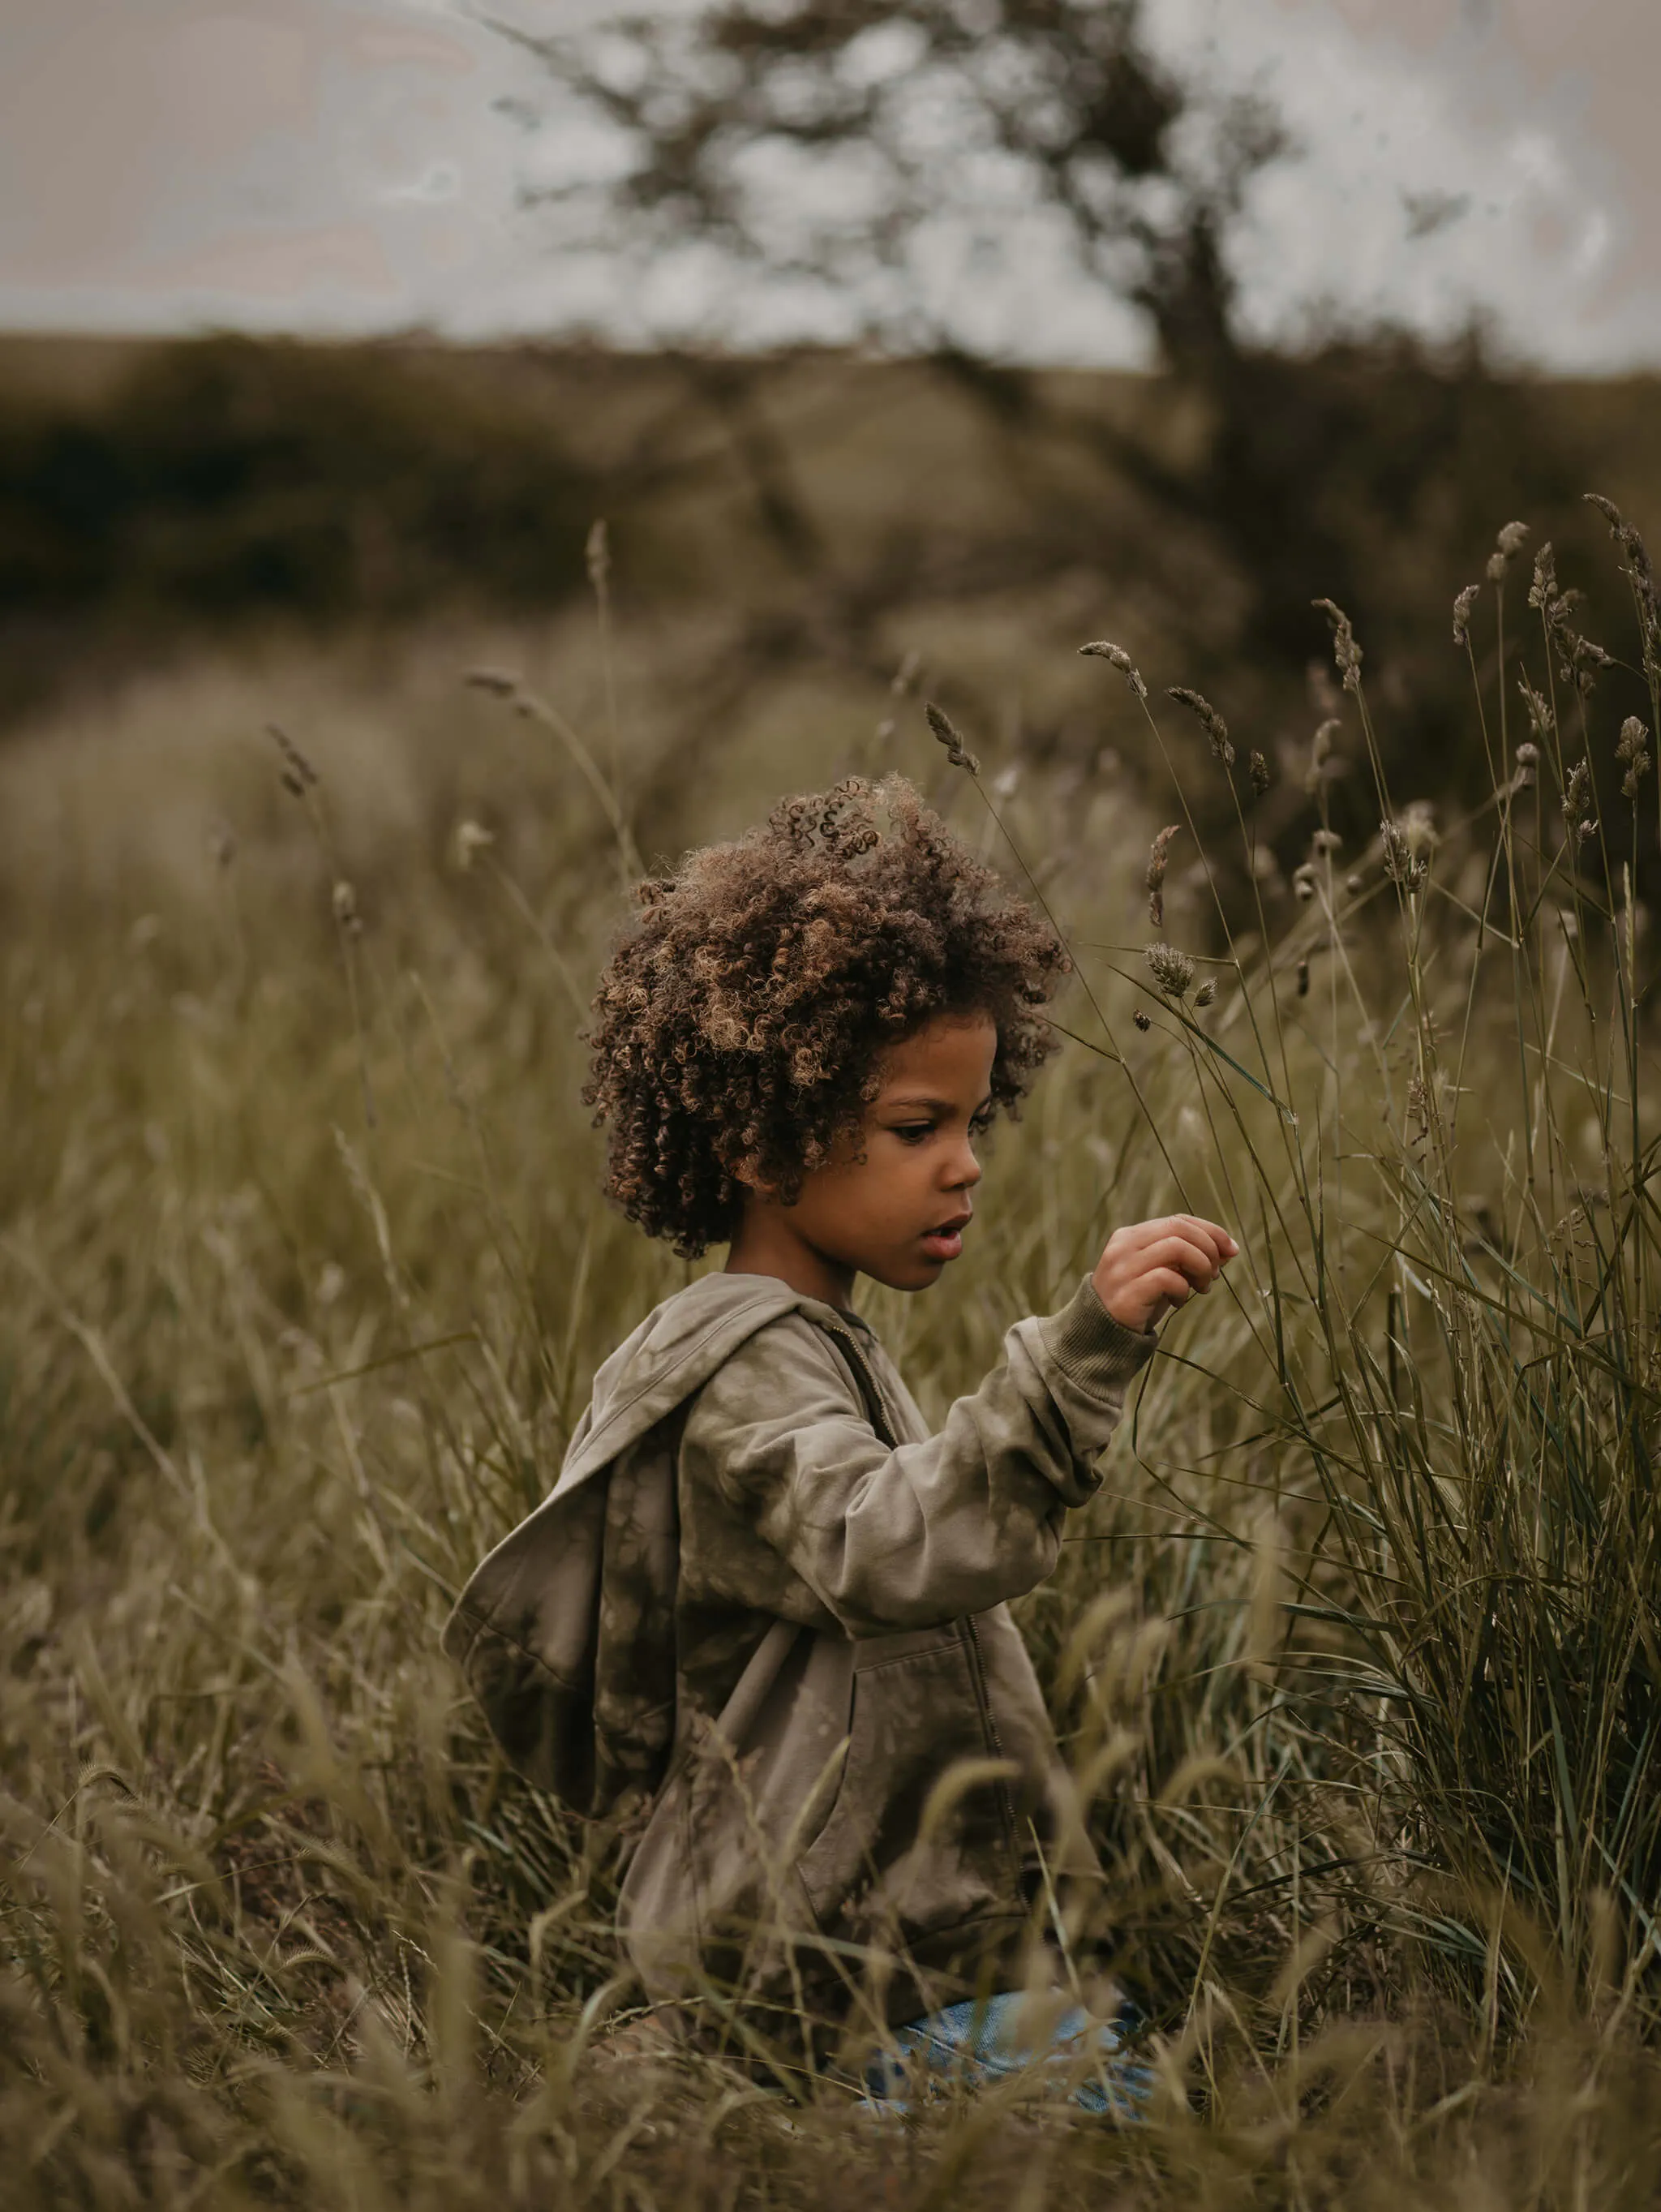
[
  {"x": 1177, "y": 1248},
  {"x": 1197, "y": 1263},
  {"x": 1206, "y": 1234},
  {"x": 1211, "y": 1231},
  {"x": 1168, "y": 1283}
]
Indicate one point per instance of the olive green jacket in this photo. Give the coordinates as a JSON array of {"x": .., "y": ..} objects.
[{"x": 764, "y": 1611}]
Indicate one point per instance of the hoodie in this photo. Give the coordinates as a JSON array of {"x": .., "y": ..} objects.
[{"x": 762, "y": 1619}]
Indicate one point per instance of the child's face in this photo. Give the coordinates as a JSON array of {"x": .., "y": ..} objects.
[{"x": 893, "y": 1202}]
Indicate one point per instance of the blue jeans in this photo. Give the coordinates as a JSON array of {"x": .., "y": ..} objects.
[{"x": 974, "y": 2043}]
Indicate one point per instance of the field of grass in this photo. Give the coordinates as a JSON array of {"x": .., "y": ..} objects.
[{"x": 1354, "y": 1658}]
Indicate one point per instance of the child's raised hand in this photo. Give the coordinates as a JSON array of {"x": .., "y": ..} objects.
[{"x": 1151, "y": 1266}]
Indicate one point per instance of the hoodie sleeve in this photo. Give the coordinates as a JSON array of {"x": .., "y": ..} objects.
[{"x": 907, "y": 1536}]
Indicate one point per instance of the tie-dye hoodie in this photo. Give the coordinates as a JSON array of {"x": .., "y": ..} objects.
[{"x": 763, "y": 1618}]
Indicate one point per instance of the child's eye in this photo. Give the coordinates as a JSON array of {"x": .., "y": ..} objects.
[{"x": 912, "y": 1133}]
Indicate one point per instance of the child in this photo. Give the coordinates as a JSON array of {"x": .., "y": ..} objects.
[{"x": 764, "y": 1609}]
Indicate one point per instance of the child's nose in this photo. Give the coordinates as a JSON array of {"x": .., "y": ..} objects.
[{"x": 966, "y": 1169}]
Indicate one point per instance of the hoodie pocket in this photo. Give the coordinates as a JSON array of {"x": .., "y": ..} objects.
[{"x": 917, "y": 1710}]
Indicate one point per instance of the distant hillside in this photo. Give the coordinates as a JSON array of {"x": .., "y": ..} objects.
[
  {"x": 833, "y": 512},
  {"x": 150, "y": 491}
]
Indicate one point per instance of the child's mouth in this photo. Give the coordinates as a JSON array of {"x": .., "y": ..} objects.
[{"x": 946, "y": 1241}]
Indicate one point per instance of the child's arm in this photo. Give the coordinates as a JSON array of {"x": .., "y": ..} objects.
[{"x": 887, "y": 1539}]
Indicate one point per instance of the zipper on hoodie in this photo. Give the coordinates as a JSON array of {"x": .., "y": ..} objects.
[{"x": 870, "y": 1389}]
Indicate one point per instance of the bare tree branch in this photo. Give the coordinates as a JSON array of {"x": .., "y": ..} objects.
[{"x": 831, "y": 144}]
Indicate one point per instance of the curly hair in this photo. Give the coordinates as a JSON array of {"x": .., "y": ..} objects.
[{"x": 742, "y": 1019}]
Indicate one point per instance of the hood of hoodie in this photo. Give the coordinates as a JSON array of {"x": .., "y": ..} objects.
[
  {"x": 566, "y": 1632},
  {"x": 672, "y": 1354}
]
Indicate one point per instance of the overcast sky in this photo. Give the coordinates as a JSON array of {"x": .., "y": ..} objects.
[{"x": 345, "y": 165}]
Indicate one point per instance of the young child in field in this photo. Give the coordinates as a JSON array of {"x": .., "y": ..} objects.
[{"x": 764, "y": 1608}]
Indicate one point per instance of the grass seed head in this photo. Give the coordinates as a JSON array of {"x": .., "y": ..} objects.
[
  {"x": 1528, "y": 766},
  {"x": 1543, "y": 592},
  {"x": 1173, "y": 971},
  {"x": 1143, "y": 1022},
  {"x": 1346, "y": 654},
  {"x": 1158, "y": 858},
  {"x": 470, "y": 839},
  {"x": 1208, "y": 719},
  {"x": 298, "y": 774},
  {"x": 1577, "y": 819},
  {"x": 1539, "y": 709},
  {"x": 957, "y": 751},
  {"x": 1404, "y": 863},
  {"x": 1579, "y": 659},
  {"x": 1507, "y": 546},
  {"x": 1641, "y": 576},
  {"x": 1418, "y": 1108},
  {"x": 1633, "y": 748},
  {"x": 1461, "y": 608},
  {"x": 1256, "y": 768},
  {"x": 1320, "y": 751},
  {"x": 1207, "y": 992},
  {"x": 1101, "y": 650}
]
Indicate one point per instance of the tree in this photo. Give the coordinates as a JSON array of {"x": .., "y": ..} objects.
[
  {"x": 862, "y": 152},
  {"x": 877, "y": 160},
  {"x": 873, "y": 164}
]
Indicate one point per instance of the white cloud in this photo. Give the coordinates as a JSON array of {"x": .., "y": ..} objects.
[
  {"x": 438, "y": 183},
  {"x": 1533, "y": 211}
]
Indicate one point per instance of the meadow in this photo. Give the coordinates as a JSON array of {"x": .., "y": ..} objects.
[{"x": 1354, "y": 1657}]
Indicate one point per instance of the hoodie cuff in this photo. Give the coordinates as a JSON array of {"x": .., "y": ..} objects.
[{"x": 1097, "y": 1353}]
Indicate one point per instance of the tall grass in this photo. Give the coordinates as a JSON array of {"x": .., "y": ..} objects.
[{"x": 1354, "y": 1658}]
